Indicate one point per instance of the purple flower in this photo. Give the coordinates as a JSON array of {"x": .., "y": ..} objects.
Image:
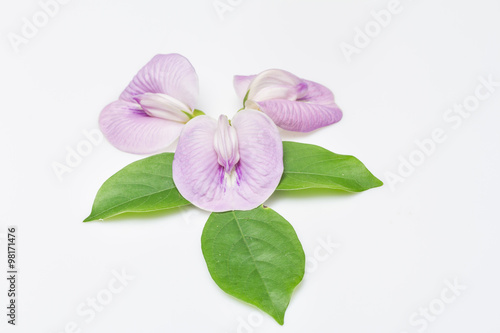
[
  {"x": 293, "y": 103},
  {"x": 151, "y": 112},
  {"x": 221, "y": 165}
]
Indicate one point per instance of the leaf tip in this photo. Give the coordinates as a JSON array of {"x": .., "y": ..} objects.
[
  {"x": 279, "y": 317},
  {"x": 378, "y": 182},
  {"x": 89, "y": 218}
]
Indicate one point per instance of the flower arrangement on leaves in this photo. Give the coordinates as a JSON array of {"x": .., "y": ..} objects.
[{"x": 227, "y": 167}]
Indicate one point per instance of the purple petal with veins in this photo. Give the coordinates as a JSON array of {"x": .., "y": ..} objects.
[
  {"x": 170, "y": 74},
  {"x": 161, "y": 96},
  {"x": 292, "y": 103},
  {"x": 220, "y": 166},
  {"x": 241, "y": 84},
  {"x": 130, "y": 129}
]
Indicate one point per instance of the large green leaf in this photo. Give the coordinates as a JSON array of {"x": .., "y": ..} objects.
[
  {"x": 255, "y": 256},
  {"x": 310, "y": 166},
  {"x": 143, "y": 186}
]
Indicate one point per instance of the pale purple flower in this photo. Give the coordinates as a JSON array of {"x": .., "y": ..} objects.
[
  {"x": 150, "y": 114},
  {"x": 221, "y": 165},
  {"x": 293, "y": 103}
]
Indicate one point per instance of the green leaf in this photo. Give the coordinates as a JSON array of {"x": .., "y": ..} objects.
[
  {"x": 310, "y": 166},
  {"x": 143, "y": 186},
  {"x": 255, "y": 256}
]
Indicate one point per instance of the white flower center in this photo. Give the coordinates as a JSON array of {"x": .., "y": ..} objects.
[
  {"x": 226, "y": 147},
  {"x": 164, "y": 106},
  {"x": 275, "y": 84}
]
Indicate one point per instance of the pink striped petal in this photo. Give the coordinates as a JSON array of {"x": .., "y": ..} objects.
[
  {"x": 314, "y": 110},
  {"x": 201, "y": 159},
  {"x": 300, "y": 116},
  {"x": 261, "y": 155},
  {"x": 130, "y": 129},
  {"x": 294, "y": 104},
  {"x": 241, "y": 84},
  {"x": 170, "y": 74}
]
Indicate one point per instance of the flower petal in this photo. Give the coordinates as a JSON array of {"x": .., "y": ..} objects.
[
  {"x": 130, "y": 129},
  {"x": 300, "y": 116},
  {"x": 200, "y": 178},
  {"x": 195, "y": 169},
  {"x": 318, "y": 94},
  {"x": 292, "y": 103},
  {"x": 241, "y": 84},
  {"x": 170, "y": 74},
  {"x": 261, "y": 156}
]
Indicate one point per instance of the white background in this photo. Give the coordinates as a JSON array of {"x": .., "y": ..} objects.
[{"x": 395, "y": 246}]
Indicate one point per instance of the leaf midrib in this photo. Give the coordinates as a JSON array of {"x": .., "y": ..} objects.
[
  {"x": 128, "y": 201},
  {"x": 323, "y": 175},
  {"x": 254, "y": 262}
]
